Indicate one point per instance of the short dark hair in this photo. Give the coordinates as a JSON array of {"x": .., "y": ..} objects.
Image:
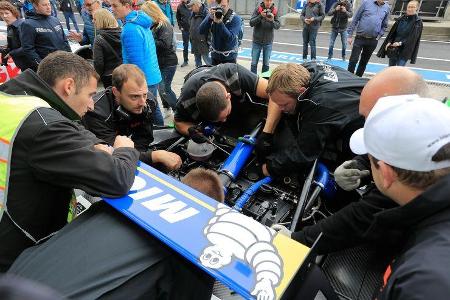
[
  {"x": 211, "y": 100},
  {"x": 122, "y": 73},
  {"x": 422, "y": 180},
  {"x": 6, "y": 5},
  {"x": 206, "y": 182},
  {"x": 61, "y": 64}
]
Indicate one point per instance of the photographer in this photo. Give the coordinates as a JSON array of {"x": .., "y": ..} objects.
[
  {"x": 340, "y": 11},
  {"x": 264, "y": 20},
  {"x": 311, "y": 17},
  {"x": 224, "y": 25}
]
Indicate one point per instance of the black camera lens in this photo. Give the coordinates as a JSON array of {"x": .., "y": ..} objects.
[{"x": 218, "y": 13}]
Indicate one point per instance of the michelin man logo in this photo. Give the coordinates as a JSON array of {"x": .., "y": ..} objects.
[{"x": 233, "y": 234}]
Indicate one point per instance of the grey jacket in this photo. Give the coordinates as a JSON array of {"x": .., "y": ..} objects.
[
  {"x": 315, "y": 10},
  {"x": 263, "y": 28},
  {"x": 199, "y": 42}
]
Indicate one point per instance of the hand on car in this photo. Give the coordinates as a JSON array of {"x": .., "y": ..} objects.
[
  {"x": 348, "y": 177},
  {"x": 170, "y": 160}
]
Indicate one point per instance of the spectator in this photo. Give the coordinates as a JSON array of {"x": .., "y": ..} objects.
[
  {"x": 199, "y": 42},
  {"x": 403, "y": 40},
  {"x": 18, "y": 4},
  {"x": 88, "y": 36},
  {"x": 370, "y": 22},
  {"x": 311, "y": 16},
  {"x": 66, "y": 8},
  {"x": 53, "y": 153},
  {"x": 340, "y": 12},
  {"x": 166, "y": 8},
  {"x": 54, "y": 12},
  {"x": 27, "y": 8},
  {"x": 41, "y": 34},
  {"x": 118, "y": 257},
  {"x": 166, "y": 52},
  {"x": 107, "y": 50},
  {"x": 323, "y": 101},
  {"x": 224, "y": 25},
  {"x": 183, "y": 19},
  {"x": 264, "y": 20},
  {"x": 407, "y": 139},
  {"x": 10, "y": 15},
  {"x": 138, "y": 46}
]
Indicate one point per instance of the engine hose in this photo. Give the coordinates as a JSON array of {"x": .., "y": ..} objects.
[{"x": 240, "y": 203}]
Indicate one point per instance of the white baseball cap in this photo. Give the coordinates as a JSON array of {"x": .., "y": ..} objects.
[{"x": 405, "y": 132}]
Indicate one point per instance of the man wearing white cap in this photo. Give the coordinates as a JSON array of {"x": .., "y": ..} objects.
[{"x": 407, "y": 139}]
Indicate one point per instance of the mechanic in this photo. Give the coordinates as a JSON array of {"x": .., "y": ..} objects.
[
  {"x": 349, "y": 226},
  {"x": 46, "y": 153},
  {"x": 321, "y": 106},
  {"x": 209, "y": 93},
  {"x": 126, "y": 109},
  {"x": 103, "y": 255},
  {"x": 407, "y": 139}
]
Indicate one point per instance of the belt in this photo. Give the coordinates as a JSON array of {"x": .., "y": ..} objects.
[{"x": 366, "y": 37}]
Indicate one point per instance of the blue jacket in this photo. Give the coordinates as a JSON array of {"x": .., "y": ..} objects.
[
  {"x": 167, "y": 10},
  {"x": 41, "y": 35},
  {"x": 138, "y": 45},
  {"x": 225, "y": 34},
  {"x": 89, "y": 29}
]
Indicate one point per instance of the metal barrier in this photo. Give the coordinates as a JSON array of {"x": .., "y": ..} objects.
[{"x": 428, "y": 9}]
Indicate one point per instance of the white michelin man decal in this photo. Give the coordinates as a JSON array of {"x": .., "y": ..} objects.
[{"x": 233, "y": 234}]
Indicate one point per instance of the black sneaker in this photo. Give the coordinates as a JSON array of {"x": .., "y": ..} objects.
[{"x": 184, "y": 64}]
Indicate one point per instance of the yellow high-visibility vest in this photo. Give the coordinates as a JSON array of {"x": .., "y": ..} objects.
[{"x": 13, "y": 112}]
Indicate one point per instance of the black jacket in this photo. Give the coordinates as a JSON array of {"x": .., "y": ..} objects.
[
  {"x": 339, "y": 20},
  {"x": 14, "y": 47},
  {"x": 107, "y": 51},
  {"x": 65, "y": 5},
  {"x": 183, "y": 16},
  {"x": 410, "y": 46},
  {"x": 41, "y": 35},
  {"x": 322, "y": 125},
  {"x": 106, "y": 122},
  {"x": 421, "y": 268},
  {"x": 199, "y": 42},
  {"x": 165, "y": 47},
  {"x": 263, "y": 28},
  {"x": 52, "y": 154}
]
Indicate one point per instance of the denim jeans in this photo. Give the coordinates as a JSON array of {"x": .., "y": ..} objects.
[
  {"x": 309, "y": 37},
  {"x": 333, "y": 36},
  {"x": 157, "y": 115},
  {"x": 199, "y": 57},
  {"x": 166, "y": 93},
  {"x": 397, "y": 61},
  {"x": 70, "y": 16},
  {"x": 364, "y": 47},
  {"x": 256, "y": 51},
  {"x": 185, "y": 35}
]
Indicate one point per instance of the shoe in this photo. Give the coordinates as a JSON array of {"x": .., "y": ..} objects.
[
  {"x": 343, "y": 58},
  {"x": 184, "y": 64}
]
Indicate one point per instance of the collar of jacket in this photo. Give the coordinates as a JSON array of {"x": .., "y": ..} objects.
[
  {"x": 31, "y": 84},
  {"x": 431, "y": 202}
]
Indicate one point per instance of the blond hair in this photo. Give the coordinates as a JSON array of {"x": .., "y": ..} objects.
[
  {"x": 153, "y": 11},
  {"x": 103, "y": 19},
  {"x": 288, "y": 79}
]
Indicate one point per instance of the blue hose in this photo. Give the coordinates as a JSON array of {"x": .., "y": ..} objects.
[{"x": 240, "y": 203}]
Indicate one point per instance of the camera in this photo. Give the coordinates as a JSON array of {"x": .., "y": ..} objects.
[
  {"x": 268, "y": 12},
  {"x": 341, "y": 3},
  {"x": 218, "y": 12}
]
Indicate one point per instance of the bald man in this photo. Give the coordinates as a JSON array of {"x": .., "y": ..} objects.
[{"x": 349, "y": 227}]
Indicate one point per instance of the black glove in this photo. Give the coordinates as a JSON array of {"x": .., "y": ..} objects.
[
  {"x": 263, "y": 147},
  {"x": 196, "y": 134}
]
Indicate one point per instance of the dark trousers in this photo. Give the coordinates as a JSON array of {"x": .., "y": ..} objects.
[
  {"x": 364, "y": 47},
  {"x": 185, "y": 35},
  {"x": 309, "y": 37},
  {"x": 217, "y": 59}
]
